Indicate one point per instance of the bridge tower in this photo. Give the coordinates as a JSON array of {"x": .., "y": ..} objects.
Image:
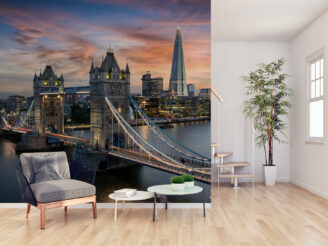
[
  {"x": 108, "y": 79},
  {"x": 48, "y": 101}
]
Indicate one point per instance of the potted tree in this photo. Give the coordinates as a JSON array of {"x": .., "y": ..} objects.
[
  {"x": 189, "y": 180},
  {"x": 177, "y": 183},
  {"x": 267, "y": 106}
]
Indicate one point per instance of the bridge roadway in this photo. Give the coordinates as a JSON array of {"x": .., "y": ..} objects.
[
  {"x": 82, "y": 126},
  {"x": 68, "y": 138},
  {"x": 202, "y": 174},
  {"x": 15, "y": 129}
]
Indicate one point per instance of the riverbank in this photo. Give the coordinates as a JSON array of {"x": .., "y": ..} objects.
[{"x": 164, "y": 121}]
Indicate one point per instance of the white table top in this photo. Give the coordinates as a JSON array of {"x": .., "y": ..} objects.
[
  {"x": 141, "y": 195},
  {"x": 167, "y": 190}
]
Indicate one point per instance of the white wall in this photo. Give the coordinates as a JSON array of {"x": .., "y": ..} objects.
[
  {"x": 230, "y": 61},
  {"x": 309, "y": 161}
]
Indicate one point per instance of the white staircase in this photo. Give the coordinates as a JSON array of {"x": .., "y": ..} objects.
[
  {"x": 230, "y": 169},
  {"x": 223, "y": 154}
]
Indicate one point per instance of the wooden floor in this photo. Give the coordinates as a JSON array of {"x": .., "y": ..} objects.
[{"x": 280, "y": 215}]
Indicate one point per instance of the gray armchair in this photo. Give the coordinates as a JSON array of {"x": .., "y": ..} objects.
[{"x": 47, "y": 181}]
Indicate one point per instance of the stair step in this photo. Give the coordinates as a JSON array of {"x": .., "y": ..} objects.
[
  {"x": 234, "y": 164},
  {"x": 223, "y": 154},
  {"x": 235, "y": 175}
]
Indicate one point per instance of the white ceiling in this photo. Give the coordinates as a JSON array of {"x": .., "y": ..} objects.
[{"x": 262, "y": 20}]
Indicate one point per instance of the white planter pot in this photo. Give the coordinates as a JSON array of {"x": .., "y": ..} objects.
[
  {"x": 270, "y": 175},
  {"x": 189, "y": 184},
  {"x": 177, "y": 187}
]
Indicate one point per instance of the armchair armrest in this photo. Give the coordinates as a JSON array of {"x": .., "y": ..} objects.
[
  {"x": 26, "y": 192},
  {"x": 82, "y": 172}
]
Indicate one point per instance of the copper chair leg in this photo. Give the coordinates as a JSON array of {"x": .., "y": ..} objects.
[
  {"x": 28, "y": 210},
  {"x": 94, "y": 207},
  {"x": 42, "y": 216}
]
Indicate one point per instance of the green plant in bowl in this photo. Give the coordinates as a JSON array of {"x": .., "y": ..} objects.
[
  {"x": 188, "y": 178},
  {"x": 177, "y": 183},
  {"x": 177, "y": 180}
]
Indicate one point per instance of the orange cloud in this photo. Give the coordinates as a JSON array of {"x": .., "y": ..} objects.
[{"x": 63, "y": 40}]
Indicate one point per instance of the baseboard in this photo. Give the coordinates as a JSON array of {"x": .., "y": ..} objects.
[
  {"x": 310, "y": 189},
  {"x": 256, "y": 180},
  {"x": 283, "y": 180},
  {"x": 120, "y": 205},
  {"x": 12, "y": 205}
]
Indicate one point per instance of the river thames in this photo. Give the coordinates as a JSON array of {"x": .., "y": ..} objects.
[{"x": 195, "y": 135}]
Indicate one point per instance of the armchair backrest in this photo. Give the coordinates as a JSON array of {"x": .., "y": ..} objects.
[{"x": 27, "y": 164}]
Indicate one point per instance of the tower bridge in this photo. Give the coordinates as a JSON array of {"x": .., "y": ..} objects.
[{"x": 110, "y": 128}]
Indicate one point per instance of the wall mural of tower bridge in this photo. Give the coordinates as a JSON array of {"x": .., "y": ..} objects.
[{"x": 111, "y": 132}]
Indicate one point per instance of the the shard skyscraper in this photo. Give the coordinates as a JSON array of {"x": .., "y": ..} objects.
[{"x": 178, "y": 82}]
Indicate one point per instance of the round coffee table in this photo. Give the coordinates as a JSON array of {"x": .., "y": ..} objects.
[
  {"x": 166, "y": 190},
  {"x": 141, "y": 195}
]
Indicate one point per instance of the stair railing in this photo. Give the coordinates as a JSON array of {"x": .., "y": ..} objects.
[
  {"x": 252, "y": 157},
  {"x": 216, "y": 146},
  {"x": 253, "y": 148}
]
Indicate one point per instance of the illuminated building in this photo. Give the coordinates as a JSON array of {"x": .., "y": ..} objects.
[
  {"x": 178, "y": 82},
  {"x": 191, "y": 90},
  {"x": 150, "y": 105},
  {"x": 175, "y": 107},
  {"x": 16, "y": 103},
  {"x": 108, "y": 79},
  {"x": 48, "y": 101},
  {"x": 151, "y": 87},
  {"x": 184, "y": 107},
  {"x": 204, "y": 92}
]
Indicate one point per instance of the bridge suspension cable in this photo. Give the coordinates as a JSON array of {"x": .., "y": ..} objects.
[
  {"x": 6, "y": 123},
  {"x": 140, "y": 141},
  {"x": 26, "y": 116},
  {"x": 167, "y": 139}
]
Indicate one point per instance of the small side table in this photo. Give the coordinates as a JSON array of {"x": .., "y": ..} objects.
[
  {"x": 141, "y": 195},
  {"x": 166, "y": 190}
]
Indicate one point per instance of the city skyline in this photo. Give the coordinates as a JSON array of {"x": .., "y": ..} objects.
[{"x": 68, "y": 35}]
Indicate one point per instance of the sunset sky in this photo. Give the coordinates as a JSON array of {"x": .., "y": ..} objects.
[{"x": 68, "y": 33}]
